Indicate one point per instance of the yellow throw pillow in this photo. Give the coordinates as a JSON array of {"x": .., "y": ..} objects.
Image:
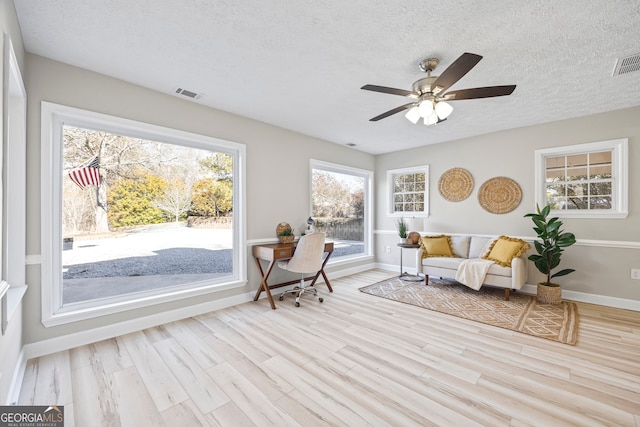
[
  {"x": 433, "y": 246},
  {"x": 504, "y": 249}
]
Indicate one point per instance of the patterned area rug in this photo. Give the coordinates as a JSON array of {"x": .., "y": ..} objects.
[{"x": 522, "y": 314}]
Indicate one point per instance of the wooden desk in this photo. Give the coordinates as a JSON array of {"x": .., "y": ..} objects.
[{"x": 272, "y": 253}]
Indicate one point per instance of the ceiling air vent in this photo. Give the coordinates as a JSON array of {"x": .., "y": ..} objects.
[
  {"x": 627, "y": 65},
  {"x": 188, "y": 93}
]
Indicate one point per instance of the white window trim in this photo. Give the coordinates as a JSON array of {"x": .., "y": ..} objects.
[
  {"x": 13, "y": 194},
  {"x": 52, "y": 120},
  {"x": 368, "y": 212},
  {"x": 402, "y": 171},
  {"x": 620, "y": 171}
]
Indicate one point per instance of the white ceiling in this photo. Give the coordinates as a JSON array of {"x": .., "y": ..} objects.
[{"x": 299, "y": 64}]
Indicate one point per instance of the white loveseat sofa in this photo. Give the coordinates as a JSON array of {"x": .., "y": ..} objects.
[{"x": 513, "y": 276}]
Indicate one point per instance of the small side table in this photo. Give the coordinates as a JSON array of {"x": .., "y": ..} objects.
[{"x": 404, "y": 275}]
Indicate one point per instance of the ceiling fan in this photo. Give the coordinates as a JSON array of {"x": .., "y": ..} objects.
[{"x": 429, "y": 92}]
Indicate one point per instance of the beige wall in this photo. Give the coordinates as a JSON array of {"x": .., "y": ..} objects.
[
  {"x": 277, "y": 167},
  {"x": 607, "y": 248}
]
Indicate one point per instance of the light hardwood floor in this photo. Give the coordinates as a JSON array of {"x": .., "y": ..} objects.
[{"x": 355, "y": 360}]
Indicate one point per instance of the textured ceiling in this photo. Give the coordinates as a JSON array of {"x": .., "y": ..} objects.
[{"x": 300, "y": 64}]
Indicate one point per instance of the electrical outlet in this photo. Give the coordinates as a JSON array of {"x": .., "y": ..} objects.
[
  {"x": 635, "y": 273},
  {"x": 387, "y": 249}
]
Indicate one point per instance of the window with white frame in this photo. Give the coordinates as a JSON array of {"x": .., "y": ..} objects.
[
  {"x": 341, "y": 206},
  {"x": 409, "y": 191},
  {"x": 116, "y": 195},
  {"x": 585, "y": 180}
]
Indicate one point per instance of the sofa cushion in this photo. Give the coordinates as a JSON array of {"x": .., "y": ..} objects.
[
  {"x": 453, "y": 263},
  {"x": 436, "y": 246},
  {"x": 443, "y": 262},
  {"x": 478, "y": 246},
  {"x": 499, "y": 270},
  {"x": 460, "y": 246},
  {"x": 504, "y": 249}
]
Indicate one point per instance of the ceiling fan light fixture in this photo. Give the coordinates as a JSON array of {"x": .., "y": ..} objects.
[
  {"x": 425, "y": 108},
  {"x": 413, "y": 115},
  {"x": 431, "y": 119},
  {"x": 443, "y": 109},
  {"x": 429, "y": 93}
]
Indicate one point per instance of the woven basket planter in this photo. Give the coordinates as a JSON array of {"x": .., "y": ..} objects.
[
  {"x": 549, "y": 294},
  {"x": 286, "y": 239}
]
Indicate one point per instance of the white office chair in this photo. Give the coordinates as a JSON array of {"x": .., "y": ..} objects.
[{"x": 307, "y": 259}]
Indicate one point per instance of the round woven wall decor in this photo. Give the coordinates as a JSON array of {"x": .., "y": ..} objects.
[
  {"x": 499, "y": 195},
  {"x": 455, "y": 184}
]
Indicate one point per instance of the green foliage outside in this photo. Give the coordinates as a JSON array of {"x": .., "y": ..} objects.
[
  {"x": 212, "y": 198},
  {"x": 131, "y": 201},
  {"x": 143, "y": 182},
  {"x": 220, "y": 165}
]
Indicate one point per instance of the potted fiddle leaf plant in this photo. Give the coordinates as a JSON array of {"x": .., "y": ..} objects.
[
  {"x": 402, "y": 229},
  {"x": 549, "y": 248}
]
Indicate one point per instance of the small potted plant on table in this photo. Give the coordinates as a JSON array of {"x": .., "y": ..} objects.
[
  {"x": 285, "y": 233},
  {"x": 402, "y": 229},
  {"x": 549, "y": 249}
]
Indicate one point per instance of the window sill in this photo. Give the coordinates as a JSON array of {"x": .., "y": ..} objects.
[
  {"x": 590, "y": 214},
  {"x": 80, "y": 312},
  {"x": 11, "y": 297}
]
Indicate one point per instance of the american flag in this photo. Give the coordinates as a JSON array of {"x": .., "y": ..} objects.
[{"x": 88, "y": 174}]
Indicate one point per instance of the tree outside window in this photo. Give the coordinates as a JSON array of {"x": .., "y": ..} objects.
[{"x": 340, "y": 207}]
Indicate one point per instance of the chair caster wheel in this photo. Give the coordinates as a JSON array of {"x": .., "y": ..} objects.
[
  {"x": 297, "y": 304},
  {"x": 281, "y": 298},
  {"x": 321, "y": 299}
]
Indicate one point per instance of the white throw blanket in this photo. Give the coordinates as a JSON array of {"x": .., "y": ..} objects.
[{"x": 472, "y": 272}]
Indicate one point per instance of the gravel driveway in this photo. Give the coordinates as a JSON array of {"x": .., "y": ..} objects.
[
  {"x": 153, "y": 250},
  {"x": 152, "y": 257}
]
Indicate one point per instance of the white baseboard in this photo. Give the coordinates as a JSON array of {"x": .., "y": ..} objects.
[
  {"x": 604, "y": 300},
  {"x": 66, "y": 342},
  {"x": 353, "y": 270},
  {"x": 16, "y": 380},
  {"x": 396, "y": 268}
]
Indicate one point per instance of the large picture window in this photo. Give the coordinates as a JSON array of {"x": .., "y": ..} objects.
[
  {"x": 585, "y": 180},
  {"x": 136, "y": 215},
  {"x": 341, "y": 207}
]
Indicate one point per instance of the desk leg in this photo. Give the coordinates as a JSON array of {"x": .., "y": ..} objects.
[
  {"x": 324, "y": 276},
  {"x": 263, "y": 284}
]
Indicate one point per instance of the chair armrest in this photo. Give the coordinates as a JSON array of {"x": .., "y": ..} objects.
[
  {"x": 518, "y": 272},
  {"x": 419, "y": 261}
]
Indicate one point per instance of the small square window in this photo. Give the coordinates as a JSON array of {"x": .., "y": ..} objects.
[
  {"x": 408, "y": 191},
  {"x": 585, "y": 180}
]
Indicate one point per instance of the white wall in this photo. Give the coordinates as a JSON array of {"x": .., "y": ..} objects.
[
  {"x": 277, "y": 170},
  {"x": 607, "y": 248}
]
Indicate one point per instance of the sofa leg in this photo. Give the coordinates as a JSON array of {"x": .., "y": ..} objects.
[
  {"x": 507, "y": 294},
  {"x": 426, "y": 280}
]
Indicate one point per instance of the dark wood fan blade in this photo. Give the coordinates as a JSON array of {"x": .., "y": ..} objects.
[
  {"x": 391, "y": 90},
  {"x": 479, "y": 92},
  {"x": 392, "y": 112},
  {"x": 456, "y": 71}
]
